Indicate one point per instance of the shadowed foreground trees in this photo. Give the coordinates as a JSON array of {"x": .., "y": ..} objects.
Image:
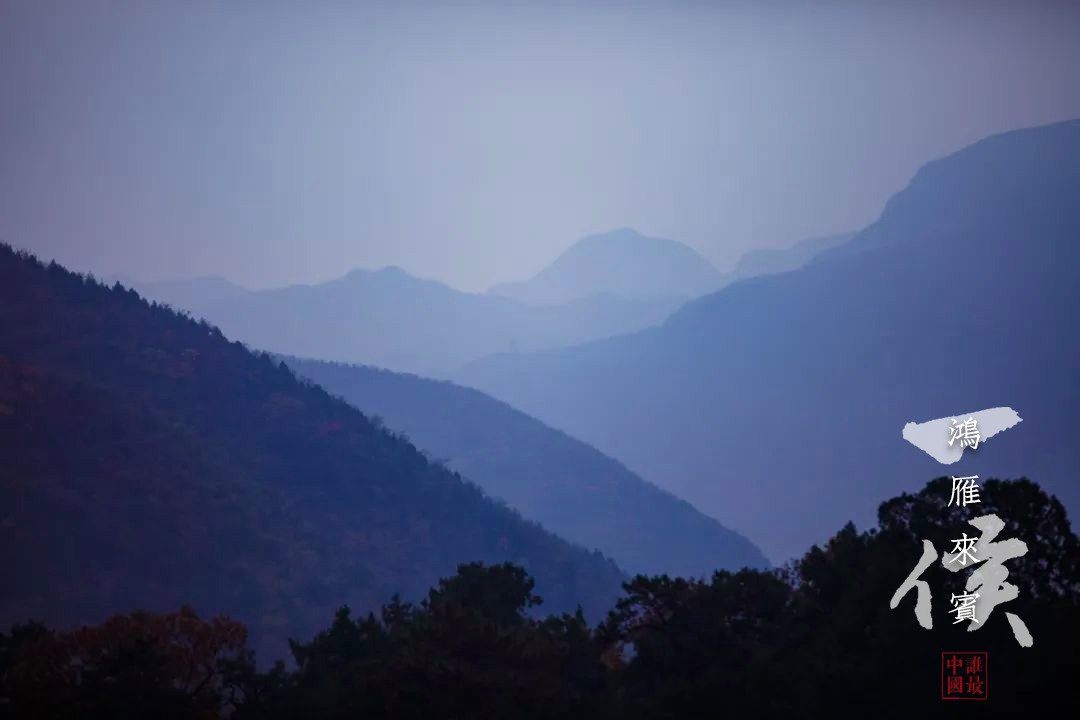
[
  {"x": 816, "y": 638},
  {"x": 138, "y": 665},
  {"x": 468, "y": 650}
]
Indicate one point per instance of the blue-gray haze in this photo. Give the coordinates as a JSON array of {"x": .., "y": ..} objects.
[{"x": 281, "y": 142}]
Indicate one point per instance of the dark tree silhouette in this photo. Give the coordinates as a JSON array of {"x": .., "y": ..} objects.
[{"x": 814, "y": 639}]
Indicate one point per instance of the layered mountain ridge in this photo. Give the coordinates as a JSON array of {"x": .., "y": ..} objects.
[
  {"x": 150, "y": 462},
  {"x": 790, "y": 391}
]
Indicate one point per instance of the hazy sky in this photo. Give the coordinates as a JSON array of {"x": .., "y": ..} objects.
[{"x": 289, "y": 142}]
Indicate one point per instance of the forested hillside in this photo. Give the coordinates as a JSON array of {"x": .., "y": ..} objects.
[
  {"x": 567, "y": 486},
  {"x": 149, "y": 462}
]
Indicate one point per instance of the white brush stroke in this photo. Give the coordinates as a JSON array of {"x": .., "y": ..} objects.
[{"x": 932, "y": 437}]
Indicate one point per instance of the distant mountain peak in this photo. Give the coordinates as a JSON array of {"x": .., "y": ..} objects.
[
  {"x": 619, "y": 238},
  {"x": 394, "y": 270},
  {"x": 619, "y": 234},
  {"x": 389, "y": 275},
  {"x": 622, "y": 262}
]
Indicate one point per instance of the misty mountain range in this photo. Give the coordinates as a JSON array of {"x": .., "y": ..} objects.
[
  {"x": 155, "y": 460},
  {"x": 391, "y": 319},
  {"x": 694, "y": 402},
  {"x": 789, "y": 391},
  {"x": 603, "y": 285}
]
